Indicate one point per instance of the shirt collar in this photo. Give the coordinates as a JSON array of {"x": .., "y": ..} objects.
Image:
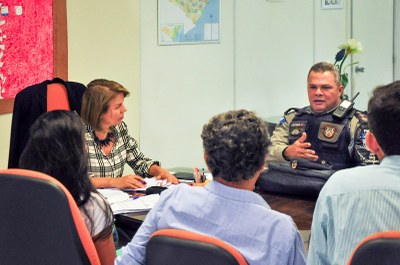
[
  {"x": 393, "y": 159},
  {"x": 236, "y": 193}
]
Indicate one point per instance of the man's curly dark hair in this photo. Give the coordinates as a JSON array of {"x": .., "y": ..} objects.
[{"x": 235, "y": 144}]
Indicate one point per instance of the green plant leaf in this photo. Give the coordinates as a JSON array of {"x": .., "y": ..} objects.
[{"x": 345, "y": 79}]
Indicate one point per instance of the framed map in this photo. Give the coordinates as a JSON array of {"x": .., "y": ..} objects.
[{"x": 188, "y": 21}]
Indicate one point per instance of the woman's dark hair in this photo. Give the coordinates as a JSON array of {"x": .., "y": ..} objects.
[
  {"x": 56, "y": 147},
  {"x": 235, "y": 144}
]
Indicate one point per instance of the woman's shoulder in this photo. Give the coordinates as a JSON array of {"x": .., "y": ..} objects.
[
  {"x": 122, "y": 131},
  {"x": 99, "y": 207},
  {"x": 99, "y": 217},
  {"x": 121, "y": 128},
  {"x": 97, "y": 199}
]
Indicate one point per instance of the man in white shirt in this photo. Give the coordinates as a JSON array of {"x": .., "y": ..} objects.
[{"x": 360, "y": 201}]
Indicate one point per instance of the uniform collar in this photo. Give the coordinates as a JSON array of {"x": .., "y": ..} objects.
[{"x": 310, "y": 111}]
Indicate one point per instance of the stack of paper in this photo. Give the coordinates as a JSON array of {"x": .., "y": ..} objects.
[
  {"x": 121, "y": 202},
  {"x": 114, "y": 195},
  {"x": 153, "y": 181},
  {"x": 143, "y": 203}
]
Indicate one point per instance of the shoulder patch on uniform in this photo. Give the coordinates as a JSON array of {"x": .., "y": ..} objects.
[{"x": 282, "y": 121}]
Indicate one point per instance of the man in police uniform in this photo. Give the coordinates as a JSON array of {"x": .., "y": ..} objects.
[
  {"x": 310, "y": 144},
  {"x": 314, "y": 134}
]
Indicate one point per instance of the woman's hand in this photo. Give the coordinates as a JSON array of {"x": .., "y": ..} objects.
[
  {"x": 162, "y": 173},
  {"x": 168, "y": 176},
  {"x": 129, "y": 182}
]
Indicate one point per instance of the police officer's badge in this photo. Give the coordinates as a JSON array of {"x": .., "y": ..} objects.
[
  {"x": 294, "y": 164},
  {"x": 329, "y": 132}
]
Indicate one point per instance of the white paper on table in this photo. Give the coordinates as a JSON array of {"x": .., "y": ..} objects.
[
  {"x": 142, "y": 203},
  {"x": 114, "y": 195},
  {"x": 150, "y": 182}
]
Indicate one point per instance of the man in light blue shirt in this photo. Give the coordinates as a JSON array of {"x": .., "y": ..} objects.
[
  {"x": 360, "y": 201},
  {"x": 235, "y": 148}
]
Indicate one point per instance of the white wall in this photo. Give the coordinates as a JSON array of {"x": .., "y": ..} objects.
[
  {"x": 5, "y": 130},
  {"x": 273, "y": 54},
  {"x": 103, "y": 42},
  {"x": 182, "y": 87}
]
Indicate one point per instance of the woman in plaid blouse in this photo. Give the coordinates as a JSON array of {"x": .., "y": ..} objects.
[{"x": 109, "y": 144}]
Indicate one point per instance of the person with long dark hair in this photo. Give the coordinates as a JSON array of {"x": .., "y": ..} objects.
[{"x": 57, "y": 147}]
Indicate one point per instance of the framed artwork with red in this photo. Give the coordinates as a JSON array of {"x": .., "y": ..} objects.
[{"x": 33, "y": 45}]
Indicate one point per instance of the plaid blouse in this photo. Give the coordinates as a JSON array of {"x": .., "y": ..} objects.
[{"x": 125, "y": 150}]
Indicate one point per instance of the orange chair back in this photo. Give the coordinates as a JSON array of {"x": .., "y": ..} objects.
[
  {"x": 40, "y": 222},
  {"x": 57, "y": 97},
  {"x": 379, "y": 248},
  {"x": 174, "y": 246}
]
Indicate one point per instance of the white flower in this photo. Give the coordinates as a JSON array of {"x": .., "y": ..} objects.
[{"x": 351, "y": 46}]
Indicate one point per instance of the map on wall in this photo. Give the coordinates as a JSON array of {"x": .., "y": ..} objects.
[
  {"x": 26, "y": 44},
  {"x": 188, "y": 21}
]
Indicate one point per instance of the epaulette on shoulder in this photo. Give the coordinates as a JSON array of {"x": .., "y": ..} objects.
[
  {"x": 361, "y": 116},
  {"x": 290, "y": 110}
]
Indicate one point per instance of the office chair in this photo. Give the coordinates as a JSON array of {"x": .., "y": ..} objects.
[
  {"x": 381, "y": 248},
  {"x": 57, "y": 97},
  {"x": 35, "y": 100},
  {"x": 40, "y": 222},
  {"x": 179, "y": 247}
]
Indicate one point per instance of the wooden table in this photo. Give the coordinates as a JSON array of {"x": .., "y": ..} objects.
[{"x": 300, "y": 209}]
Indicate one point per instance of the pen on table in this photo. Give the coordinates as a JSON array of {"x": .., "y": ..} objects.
[
  {"x": 142, "y": 181},
  {"x": 196, "y": 175},
  {"x": 135, "y": 197}
]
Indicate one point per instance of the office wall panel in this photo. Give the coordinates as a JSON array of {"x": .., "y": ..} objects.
[
  {"x": 182, "y": 87},
  {"x": 103, "y": 42},
  {"x": 273, "y": 50}
]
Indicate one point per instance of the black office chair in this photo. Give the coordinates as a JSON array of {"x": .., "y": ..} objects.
[
  {"x": 40, "y": 222},
  {"x": 179, "y": 247},
  {"x": 35, "y": 100},
  {"x": 382, "y": 248}
]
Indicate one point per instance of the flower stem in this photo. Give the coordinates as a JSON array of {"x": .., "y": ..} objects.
[{"x": 341, "y": 64}]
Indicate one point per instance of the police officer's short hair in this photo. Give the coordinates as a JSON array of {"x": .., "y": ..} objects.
[
  {"x": 384, "y": 117},
  {"x": 322, "y": 67}
]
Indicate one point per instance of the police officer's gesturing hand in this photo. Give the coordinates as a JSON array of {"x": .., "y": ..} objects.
[{"x": 300, "y": 149}]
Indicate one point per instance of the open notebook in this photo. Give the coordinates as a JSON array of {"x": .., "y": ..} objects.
[{"x": 121, "y": 202}]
